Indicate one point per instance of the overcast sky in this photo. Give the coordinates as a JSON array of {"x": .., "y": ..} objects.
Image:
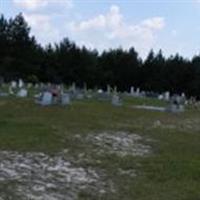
[{"x": 172, "y": 25}]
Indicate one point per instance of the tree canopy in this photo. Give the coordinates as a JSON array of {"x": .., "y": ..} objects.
[{"x": 21, "y": 56}]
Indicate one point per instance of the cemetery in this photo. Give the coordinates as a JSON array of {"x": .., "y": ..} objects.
[
  {"x": 99, "y": 100},
  {"x": 64, "y": 142}
]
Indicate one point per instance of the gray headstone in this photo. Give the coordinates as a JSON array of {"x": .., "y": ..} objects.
[
  {"x": 36, "y": 86},
  {"x": 65, "y": 99},
  {"x": 73, "y": 87},
  {"x": 132, "y": 90},
  {"x": 116, "y": 100},
  {"x": 138, "y": 92},
  {"x": 108, "y": 89},
  {"x": 46, "y": 99},
  {"x": 176, "y": 105},
  {"x": 167, "y": 96},
  {"x": 79, "y": 96},
  {"x": 115, "y": 90},
  {"x": 3, "y": 94},
  {"x": 85, "y": 88}
]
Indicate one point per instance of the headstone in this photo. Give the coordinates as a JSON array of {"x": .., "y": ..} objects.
[
  {"x": 99, "y": 91},
  {"x": 22, "y": 93},
  {"x": 103, "y": 96},
  {"x": 13, "y": 84},
  {"x": 79, "y": 96},
  {"x": 132, "y": 90},
  {"x": 38, "y": 96},
  {"x": 85, "y": 88},
  {"x": 73, "y": 87},
  {"x": 65, "y": 99},
  {"x": 167, "y": 96},
  {"x": 160, "y": 97},
  {"x": 176, "y": 105},
  {"x": 142, "y": 94},
  {"x": 20, "y": 83},
  {"x": 116, "y": 100},
  {"x": 183, "y": 96},
  {"x": 115, "y": 90},
  {"x": 89, "y": 94},
  {"x": 61, "y": 89},
  {"x": 137, "y": 92},
  {"x": 10, "y": 90},
  {"x": 3, "y": 94},
  {"x": 108, "y": 89},
  {"x": 46, "y": 99}
]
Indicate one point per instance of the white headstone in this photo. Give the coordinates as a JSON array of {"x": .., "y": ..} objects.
[
  {"x": 100, "y": 91},
  {"x": 10, "y": 91},
  {"x": 20, "y": 83},
  {"x": 13, "y": 84},
  {"x": 160, "y": 97},
  {"x": 22, "y": 93},
  {"x": 183, "y": 95}
]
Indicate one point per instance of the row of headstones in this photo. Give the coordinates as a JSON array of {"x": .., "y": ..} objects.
[
  {"x": 47, "y": 98},
  {"x": 164, "y": 96},
  {"x": 20, "y": 84},
  {"x": 111, "y": 93},
  {"x": 176, "y": 102},
  {"x": 137, "y": 93},
  {"x": 78, "y": 94}
]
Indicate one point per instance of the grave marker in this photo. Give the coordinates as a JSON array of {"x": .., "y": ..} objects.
[
  {"x": 65, "y": 99},
  {"x": 22, "y": 93},
  {"x": 116, "y": 100},
  {"x": 20, "y": 83},
  {"x": 46, "y": 99}
]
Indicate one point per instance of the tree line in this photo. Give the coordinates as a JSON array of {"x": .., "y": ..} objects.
[{"x": 21, "y": 56}]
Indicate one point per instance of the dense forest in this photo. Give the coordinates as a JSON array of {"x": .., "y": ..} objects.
[{"x": 21, "y": 56}]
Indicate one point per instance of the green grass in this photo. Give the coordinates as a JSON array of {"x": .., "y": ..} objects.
[{"x": 171, "y": 172}]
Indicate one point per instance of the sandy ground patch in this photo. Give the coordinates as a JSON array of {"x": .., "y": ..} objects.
[
  {"x": 120, "y": 143},
  {"x": 38, "y": 176}
]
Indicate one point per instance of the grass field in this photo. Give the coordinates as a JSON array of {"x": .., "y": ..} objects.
[{"x": 169, "y": 171}]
